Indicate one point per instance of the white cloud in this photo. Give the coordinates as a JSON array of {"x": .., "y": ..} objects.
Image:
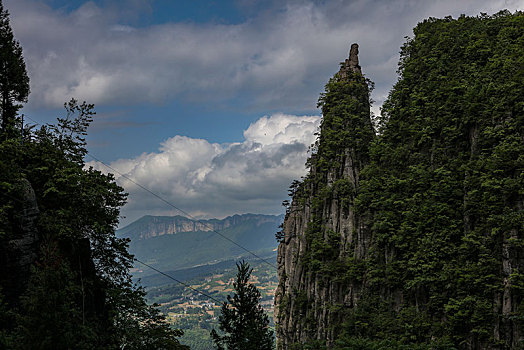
[
  {"x": 216, "y": 180},
  {"x": 280, "y": 58}
]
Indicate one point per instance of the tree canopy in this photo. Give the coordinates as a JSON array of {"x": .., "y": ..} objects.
[
  {"x": 14, "y": 82},
  {"x": 64, "y": 275},
  {"x": 79, "y": 293}
]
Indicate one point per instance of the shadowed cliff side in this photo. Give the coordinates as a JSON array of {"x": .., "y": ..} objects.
[
  {"x": 414, "y": 238},
  {"x": 19, "y": 250}
]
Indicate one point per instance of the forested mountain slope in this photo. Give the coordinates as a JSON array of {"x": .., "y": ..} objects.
[
  {"x": 410, "y": 234},
  {"x": 177, "y": 242}
]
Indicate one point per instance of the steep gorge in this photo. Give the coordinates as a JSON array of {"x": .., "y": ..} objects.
[{"x": 413, "y": 237}]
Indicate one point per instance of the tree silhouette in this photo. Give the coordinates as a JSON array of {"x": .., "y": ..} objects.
[
  {"x": 243, "y": 321},
  {"x": 14, "y": 82}
]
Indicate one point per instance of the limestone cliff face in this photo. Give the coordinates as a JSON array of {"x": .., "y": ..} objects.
[
  {"x": 308, "y": 300},
  {"x": 297, "y": 321},
  {"x": 153, "y": 226}
]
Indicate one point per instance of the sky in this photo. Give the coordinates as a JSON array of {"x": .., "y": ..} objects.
[{"x": 210, "y": 104}]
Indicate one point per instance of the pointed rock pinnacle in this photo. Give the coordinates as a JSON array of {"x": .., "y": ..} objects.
[
  {"x": 351, "y": 63},
  {"x": 353, "y": 58}
]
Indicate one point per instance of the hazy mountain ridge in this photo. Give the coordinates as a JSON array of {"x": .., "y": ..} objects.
[
  {"x": 150, "y": 226},
  {"x": 174, "y": 243},
  {"x": 190, "y": 251}
]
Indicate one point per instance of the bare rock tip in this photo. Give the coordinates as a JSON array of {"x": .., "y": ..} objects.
[
  {"x": 351, "y": 65},
  {"x": 353, "y": 57}
]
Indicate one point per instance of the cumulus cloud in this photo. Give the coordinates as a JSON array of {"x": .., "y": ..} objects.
[
  {"x": 278, "y": 59},
  {"x": 215, "y": 180}
]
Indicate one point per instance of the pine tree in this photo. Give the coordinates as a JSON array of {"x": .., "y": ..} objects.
[
  {"x": 244, "y": 322},
  {"x": 14, "y": 82}
]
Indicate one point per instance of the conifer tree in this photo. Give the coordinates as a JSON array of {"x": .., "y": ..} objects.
[
  {"x": 243, "y": 321},
  {"x": 14, "y": 82}
]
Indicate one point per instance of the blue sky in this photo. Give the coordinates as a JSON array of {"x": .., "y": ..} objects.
[
  {"x": 211, "y": 104},
  {"x": 119, "y": 132},
  {"x": 166, "y": 11}
]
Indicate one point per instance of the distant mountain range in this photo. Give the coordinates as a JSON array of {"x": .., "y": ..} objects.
[{"x": 177, "y": 242}]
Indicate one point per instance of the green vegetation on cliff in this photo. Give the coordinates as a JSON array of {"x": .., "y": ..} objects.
[
  {"x": 437, "y": 201},
  {"x": 445, "y": 184}
]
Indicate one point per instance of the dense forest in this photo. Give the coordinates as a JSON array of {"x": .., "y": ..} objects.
[
  {"x": 64, "y": 275},
  {"x": 407, "y": 233}
]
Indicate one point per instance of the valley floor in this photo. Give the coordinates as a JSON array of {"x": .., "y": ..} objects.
[{"x": 197, "y": 314}]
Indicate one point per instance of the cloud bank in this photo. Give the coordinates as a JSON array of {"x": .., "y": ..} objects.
[
  {"x": 278, "y": 59},
  {"x": 215, "y": 180}
]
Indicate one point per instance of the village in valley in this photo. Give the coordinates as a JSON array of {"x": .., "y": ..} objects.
[{"x": 197, "y": 314}]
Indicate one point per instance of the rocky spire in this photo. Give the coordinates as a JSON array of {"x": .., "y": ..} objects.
[
  {"x": 310, "y": 303},
  {"x": 351, "y": 63}
]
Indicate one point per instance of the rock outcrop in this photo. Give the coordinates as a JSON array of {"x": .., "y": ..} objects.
[
  {"x": 20, "y": 249},
  {"x": 350, "y": 64}
]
